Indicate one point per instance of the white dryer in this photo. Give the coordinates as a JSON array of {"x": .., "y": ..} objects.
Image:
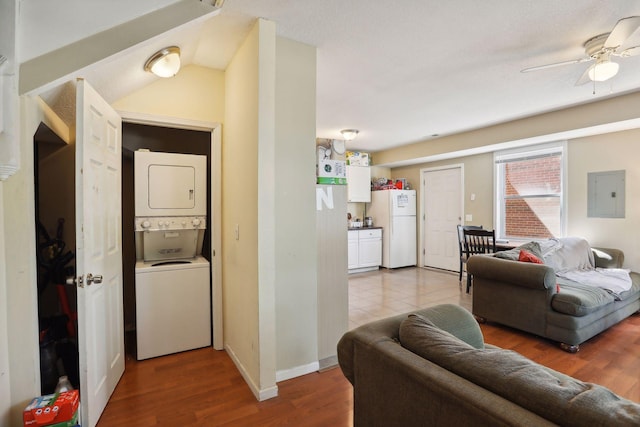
[
  {"x": 173, "y": 306},
  {"x": 169, "y": 184}
]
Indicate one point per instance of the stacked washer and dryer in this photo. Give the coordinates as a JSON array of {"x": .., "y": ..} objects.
[{"x": 172, "y": 278}]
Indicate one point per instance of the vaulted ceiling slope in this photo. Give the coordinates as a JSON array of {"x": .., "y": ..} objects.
[{"x": 402, "y": 72}]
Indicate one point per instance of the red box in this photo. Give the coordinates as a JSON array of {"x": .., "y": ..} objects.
[{"x": 51, "y": 409}]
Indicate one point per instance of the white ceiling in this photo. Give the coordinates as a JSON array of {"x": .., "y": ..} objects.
[{"x": 401, "y": 72}]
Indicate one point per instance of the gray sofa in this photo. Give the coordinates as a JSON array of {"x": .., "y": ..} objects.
[
  {"x": 532, "y": 298},
  {"x": 433, "y": 369}
]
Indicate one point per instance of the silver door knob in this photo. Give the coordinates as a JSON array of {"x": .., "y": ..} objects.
[
  {"x": 90, "y": 279},
  {"x": 79, "y": 281}
]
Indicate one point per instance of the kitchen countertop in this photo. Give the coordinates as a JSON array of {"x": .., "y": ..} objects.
[{"x": 363, "y": 228}]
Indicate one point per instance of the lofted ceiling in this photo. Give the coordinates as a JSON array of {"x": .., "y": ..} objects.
[{"x": 409, "y": 71}]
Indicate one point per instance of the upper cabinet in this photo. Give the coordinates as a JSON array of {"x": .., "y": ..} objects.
[{"x": 358, "y": 184}]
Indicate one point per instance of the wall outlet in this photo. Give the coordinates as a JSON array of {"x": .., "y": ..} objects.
[{"x": 468, "y": 217}]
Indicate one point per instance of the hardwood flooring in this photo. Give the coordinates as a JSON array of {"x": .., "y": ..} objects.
[{"x": 204, "y": 388}]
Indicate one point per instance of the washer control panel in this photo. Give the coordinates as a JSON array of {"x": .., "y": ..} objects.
[{"x": 155, "y": 223}]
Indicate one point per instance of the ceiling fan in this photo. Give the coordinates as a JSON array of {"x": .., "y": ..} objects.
[{"x": 600, "y": 49}]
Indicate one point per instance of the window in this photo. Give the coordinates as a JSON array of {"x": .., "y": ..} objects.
[{"x": 530, "y": 192}]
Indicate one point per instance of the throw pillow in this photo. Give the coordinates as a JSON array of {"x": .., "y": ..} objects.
[
  {"x": 529, "y": 257},
  {"x": 464, "y": 329}
]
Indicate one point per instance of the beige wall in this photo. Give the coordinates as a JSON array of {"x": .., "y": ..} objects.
[
  {"x": 243, "y": 291},
  {"x": 20, "y": 263},
  {"x": 615, "y": 151},
  {"x": 5, "y": 385},
  {"x": 295, "y": 209},
  {"x": 196, "y": 93},
  {"x": 612, "y": 151},
  {"x": 481, "y": 209},
  {"x": 555, "y": 125}
]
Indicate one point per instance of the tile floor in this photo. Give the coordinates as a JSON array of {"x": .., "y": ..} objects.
[{"x": 383, "y": 293}]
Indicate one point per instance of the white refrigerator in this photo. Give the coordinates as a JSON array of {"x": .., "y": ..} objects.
[{"x": 395, "y": 212}]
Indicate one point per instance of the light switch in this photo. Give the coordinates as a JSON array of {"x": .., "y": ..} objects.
[
  {"x": 468, "y": 217},
  {"x": 473, "y": 196},
  {"x": 237, "y": 231}
]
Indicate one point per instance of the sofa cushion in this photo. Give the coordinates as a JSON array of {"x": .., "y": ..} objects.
[
  {"x": 579, "y": 300},
  {"x": 449, "y": 318},
  {"x": 514, "y": 254},
  {"x": 550, "y": 394}
]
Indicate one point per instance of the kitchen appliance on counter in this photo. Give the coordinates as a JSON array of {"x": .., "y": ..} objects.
[
  {"x": 172, "y": 279},
  {"x": 368, "y": 221},
  {"x": 395, "y": 212}
]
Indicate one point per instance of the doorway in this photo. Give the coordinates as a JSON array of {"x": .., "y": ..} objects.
[
  {"x": 214, "y": 199},
  {"x": 160, "y": 139},
  {"x": 442, "y": 205},
  {"x": 54, "y": 179}
]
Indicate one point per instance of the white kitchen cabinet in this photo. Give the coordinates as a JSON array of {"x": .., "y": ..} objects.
[
  {"x": 370, "y": 248},
  {"x": 364, "y": 249},
  {"x": 358, "y": 184},
  {"x": 352, "y": 249}
]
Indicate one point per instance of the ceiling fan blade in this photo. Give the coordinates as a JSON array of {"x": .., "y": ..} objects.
[
  {"x": 557, "y": 64},
  {"x": 584, "y": 78},
  {"x": 622, "y": 31},
  {"x": 632, "y": 51}
]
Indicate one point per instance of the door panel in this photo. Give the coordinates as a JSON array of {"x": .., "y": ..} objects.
[
  {"x": 442, "y": 207},
  {"x": 98, "y": 251}
]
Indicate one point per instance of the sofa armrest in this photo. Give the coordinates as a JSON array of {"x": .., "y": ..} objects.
[
  {"x": 525, "y": 274},
  {"x": 608, "y": 257}
]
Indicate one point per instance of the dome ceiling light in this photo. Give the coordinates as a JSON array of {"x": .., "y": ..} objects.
[
  {"x": 349, "y": 134},
  {"x": 165, "y": 62}
]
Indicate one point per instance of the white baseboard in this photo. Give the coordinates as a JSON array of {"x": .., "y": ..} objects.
[
  {"x": 260, "y": 394},
  {"x": 287, "y": 374},
  {"x": 328, "y": 362}
]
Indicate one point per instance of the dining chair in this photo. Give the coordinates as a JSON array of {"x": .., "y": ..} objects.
[
  {"x": 463, "y": 252},
  {"x": 478, "y": 242}
]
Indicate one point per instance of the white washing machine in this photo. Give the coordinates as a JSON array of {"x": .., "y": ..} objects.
[{"x": 173, "y": 306}]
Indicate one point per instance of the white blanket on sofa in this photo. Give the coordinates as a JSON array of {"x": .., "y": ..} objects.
[
  {"x": 572, "y": 258},
  {"x": 616, "y": 280}
]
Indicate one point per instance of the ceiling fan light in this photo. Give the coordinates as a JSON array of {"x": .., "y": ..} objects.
[
  {"x": 165, "y": 62},
  {"x": 603, "y": 71}
]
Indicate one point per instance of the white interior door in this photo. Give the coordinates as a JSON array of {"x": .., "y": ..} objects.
[
  {"x": 443, "y": 209},
  {"x": 98, "y": 251}
]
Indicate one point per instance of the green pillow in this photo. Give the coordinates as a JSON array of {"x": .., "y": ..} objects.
[{"x": 450, "y": 318}]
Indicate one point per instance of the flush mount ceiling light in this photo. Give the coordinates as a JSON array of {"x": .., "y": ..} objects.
[
  {"x": 349, "y": 134},
  {"x": 165, "y": 62}
]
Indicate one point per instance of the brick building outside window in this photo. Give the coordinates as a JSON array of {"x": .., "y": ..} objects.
[{"x": 529, "y": 192}]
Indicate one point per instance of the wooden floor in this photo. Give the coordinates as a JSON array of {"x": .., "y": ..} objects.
[{"x": 203, "y": 387}]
